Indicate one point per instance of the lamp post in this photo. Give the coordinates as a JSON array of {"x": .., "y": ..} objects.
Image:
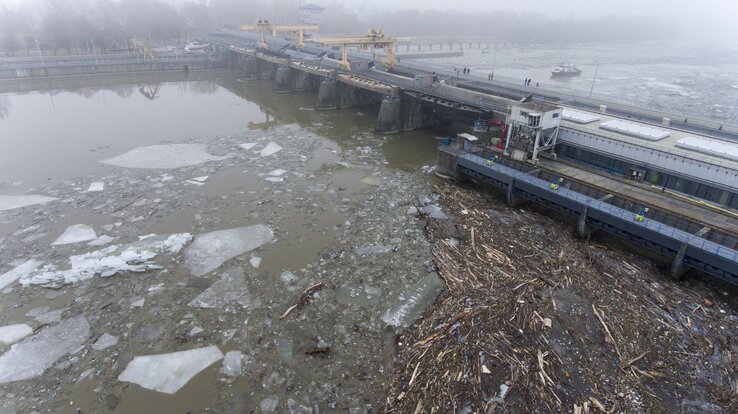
[
  {"x": 597, "y": 62},
  {"x": 39, "y": 52}
]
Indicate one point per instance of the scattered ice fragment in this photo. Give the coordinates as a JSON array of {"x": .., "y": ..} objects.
[
  {"x": 195, "y": 331},
  {"x": 372, "y": 180},
  {"x": 349, "y": 294},
  {"x": 297, "y": 408},
  {"x": 74, "y": 234},
  {"x": 284, "y": 348},
  {"x": 210, "y": 250},
  {"x": 277, "y": 172},
  {"x": 228, "y": 335},
  {"x": 168, "y": 373},
  {"x": 287, "y": 277},
  {"x": 433, "y": 211},
  {"x": 271, "y": 149},
  {"x": 18, "y": 272},
  {"x": 96, "y": 186},
  {"x": 107, "y": 227},
  {"x": 101, "y": 241},
  {"x": 139, "y": 303},
  {"x": 10, "y": 202},
  {"x": 105, "y": 341},
  {"x": 86, "y": 373},
  {"x": 376, "y": 249},
  {"x": 197, "y": 183},
  {"x": 255, "y": 262},
  {"x": 31, "y": 357},
  {"x": 427, "y": 169},
  {"x": 201, "y": 179},
  {"x": 163, "y": 156},
  {"x": 232, "y": 364},
  {"x": 247, "y": 145},
  {"x": 413, "y": 301},
  {"x": 274, "y": 179},
  {"x": 269, "y": 404},
  {"x": 132, "y": 257},
  {"x": 229, "y": 289},
  {"x": 44, "y": 315},
  {"x": 11, "y": 334}
]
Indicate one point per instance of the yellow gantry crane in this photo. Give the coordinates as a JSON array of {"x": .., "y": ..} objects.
[
  {"x": 141, "y": 47},
  {"x": 265, "y": 26},
  {"x": 374, "y": 38}
]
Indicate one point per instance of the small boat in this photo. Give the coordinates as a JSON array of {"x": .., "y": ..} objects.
[
  {"x": 192, "y": 46},
  {"x": 565, "y": 70}
]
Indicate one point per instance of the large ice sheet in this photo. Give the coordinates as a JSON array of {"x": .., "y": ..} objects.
[
  {"x": 168, "y": 373},
  {"x": 210, "y": 250},
  {"x": 34, "y": 355},
  {"x": 74, "y": 234},
  {"x": 132, "y": 257},
  {"x": 229, "y": 289},
  {"x": 271, "y": 149},
  {"x": 13, "y": 333},
  {"x": 164, "y": 156},
  {"x": 10, "y": 202},
  {"x": 18, "y": 272},
  {"x": 411, "y": 303}
]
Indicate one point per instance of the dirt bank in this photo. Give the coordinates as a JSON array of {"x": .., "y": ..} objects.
[{"x": 536, "y": 320}]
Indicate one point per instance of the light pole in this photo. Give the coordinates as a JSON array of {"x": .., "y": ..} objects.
[
  {"x": 597, "y": 62},
  {"x": 39, "y": 52}
]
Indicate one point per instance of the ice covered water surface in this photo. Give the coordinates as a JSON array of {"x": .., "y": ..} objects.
[
  {"x": 164, "y": 156},
  {"x": 210, "y": 250},
  {"x": 10, "y": 202},
  {"x": 74, "y": 234},
  {"x": 168, "y": 373},
  {"x": 34, "y": 355}
]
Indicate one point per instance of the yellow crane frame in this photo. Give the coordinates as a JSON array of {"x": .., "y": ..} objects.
[
  {"x": 265, "y": 26},
  {"x": 142, "y": 47},
  {"x": 375, "y": 38}
]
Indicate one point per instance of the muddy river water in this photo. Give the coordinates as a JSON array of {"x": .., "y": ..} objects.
[{"x": 253, "y": 197}]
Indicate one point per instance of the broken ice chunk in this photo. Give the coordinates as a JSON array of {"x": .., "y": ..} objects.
[
  {"x": 10, "y": 202},
  {"x": 376, "y": 249},
  {"x": 232, "y": 364},
  {"x": 284, "y": 348},
  {"x": 31, "y": 357},
  {"x": 247, "y": 145},
  {"x": 13, "y": 333},
  {"x": 269, "y": 404},
  {"x": 255, "y": 262},
  {"x": 349, "y": 294},
  {"x": 413, "y": 301},
  {"x": 277, "y": 172},
  {"x": 271, "y": 149},
  {"x": 105, "y": 341},
  {"x": 196, "y": 330},
  {"x": 433, "y": 211},
  {"x": 297, "y": 408},
  {"x": 287, "y": 277},
  {"x": 96, "y": 186},
  {"x": 133, "y": 257},
  {"x": 101, "y": 241},
  {"x": 168, "y": 373},
  {"x": 372, "y": 180},
  {"x": 44, "y": 315},
  {"x": 18, "y": 272},
  {"x": 230, "y": 288},
  {"x": 74, "y": 234},
  {"x": 274, "y": 179},
  {"x": 210, "y": 250},
  {"x": 164, "y": 156},
  {"x": 201, "y": 179},
  {"x": 139, "y": 303}
]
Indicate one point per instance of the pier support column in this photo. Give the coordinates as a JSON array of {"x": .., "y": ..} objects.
[
  {"x": 510, "y": 197},
  {"x": 248, "y": 68},
  {"x": 264, "y": 70},
  {"x": 582, "y": 229},
  {"x": 282, "y": 80},
  {"x": 326, "y": 94},
  {"x": 302, "y": 81},
  {"x": 347, "y": 95},
  {"x": 388, "y": 120},
  {"x": 413, "y": 117},
  {"x": 678, "y": 270}
]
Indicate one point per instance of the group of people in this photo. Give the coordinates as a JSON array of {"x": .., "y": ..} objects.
[
  {"x": 526, "y": 82},
  {"x": 465, "y": 71}
]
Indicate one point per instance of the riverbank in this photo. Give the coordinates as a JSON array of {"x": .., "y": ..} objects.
[{"x": 536, "y": 320}]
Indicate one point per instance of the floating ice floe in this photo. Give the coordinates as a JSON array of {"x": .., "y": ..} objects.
[
  {"x": 247, "y": 145},
  {"x": 101, "y": 241},
  {"x": 275, "y": 179},
  {"x": 164, "y": 156},
  {"x": 96, "y": 186},
  {"x": 31, "y": 357},
  {"x": 277, "y": 172},
  {"x": 271, "y": 149},
  {"x": 18, "y": 272},
  {"x": 411, "y": 303},
  {"x": 229, "y": 289},
  {"x": 10, "y": 202},
  {"x": 232, "y": 364},
  {"x": 105, "y": 341},
  {"x": 255, "y": 262},
  {"x": 210, "y": 250},
  {"x": 196, "y": 330},
  {"x": 138, "y": 303},
  {"x": 132, "y": 257},
  {"x": 349, "y": 294},
  {"x": 44, "y": 315},
  {"x": 13, "y": 333},
  {"x": 75, "y": 233},
  {"x": 269, "y": 404},
  {"x": 168, "y": 373},
  {"x": 372, "y": 180}
]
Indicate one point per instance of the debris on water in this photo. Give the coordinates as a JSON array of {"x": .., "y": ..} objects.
[
  {"x": 166, "y": 156},
  {"x": 20, "y": 271},
  {"x": 229, "y": 289},
  {"x": 10, "y": 202},
  {"x": 232, "y": 364},
  {"x": 32, "y": 356},
  {"x": 271, "y": 149},
  {"x": 105, "y": 341},
  {"x": 11, "y": 334},
  {"x": 305, "y": 297},
  {"x": 96, "y": 186},
  {"x": 167, "y": 373},
  {"x": 210, "y": 250},
  {"x": 75, "y": 233},
  {"x": 411, "y": 303},
  {"x": 133, "y": 257}
]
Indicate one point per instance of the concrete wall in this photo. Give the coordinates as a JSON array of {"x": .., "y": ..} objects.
[{"x": 92, "y": 69}]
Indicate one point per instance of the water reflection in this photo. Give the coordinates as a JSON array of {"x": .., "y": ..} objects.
[{"x": 4, "y": 107}]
